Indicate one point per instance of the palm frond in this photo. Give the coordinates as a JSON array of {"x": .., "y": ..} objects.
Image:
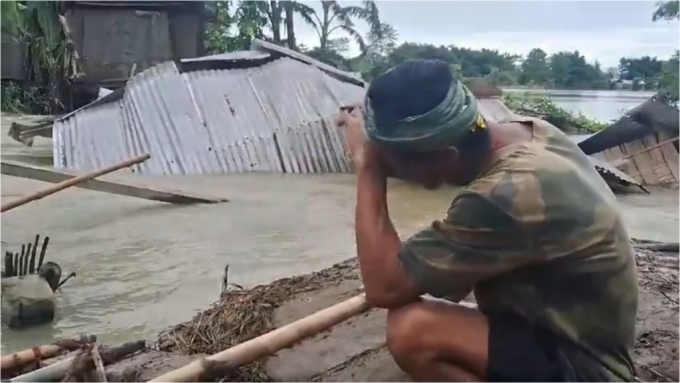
[
  {"x": 356, "y": 36},
  {"x": 667, "y": 10},
  {"x": 307, "y": 14}
]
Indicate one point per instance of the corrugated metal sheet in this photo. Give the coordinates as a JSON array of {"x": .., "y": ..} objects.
[
  {"x": 274, "y": 117},
  {"x": 603, "y": 167}
]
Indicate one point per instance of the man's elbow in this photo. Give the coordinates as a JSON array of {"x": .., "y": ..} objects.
[{"x": 384, "y": 298}]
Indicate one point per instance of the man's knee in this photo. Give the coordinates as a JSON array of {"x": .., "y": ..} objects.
[{"x": 404, "y": 325}]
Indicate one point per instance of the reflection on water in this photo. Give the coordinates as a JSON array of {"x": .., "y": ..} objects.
[{"x": 143, "y": 266}]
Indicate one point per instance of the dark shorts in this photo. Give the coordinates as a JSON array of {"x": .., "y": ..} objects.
[{"x": 520, "y": 352}]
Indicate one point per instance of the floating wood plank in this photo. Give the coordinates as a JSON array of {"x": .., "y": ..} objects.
[
  {"x": 70, "y": 183},
  {"x": 18, "y": 169}
]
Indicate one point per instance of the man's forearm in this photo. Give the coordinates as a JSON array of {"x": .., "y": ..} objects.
[{"x": 378, "y": 243}]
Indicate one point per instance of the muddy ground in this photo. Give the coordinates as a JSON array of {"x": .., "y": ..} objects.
[{"x": 354, "y": 350}]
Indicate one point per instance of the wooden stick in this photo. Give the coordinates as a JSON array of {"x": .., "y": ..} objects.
[
  {"x": 98, "y": 364},
  {"x": 58, "y": 370},
  {"x": 42, "y": 251},
  {"x": 16, "y": 264},
  {"x": 31, "y": 268},
  {"x": 21, "y": 262},
  {"x": 71, "y": 182},
  {"x": 26, "y": 258},
  {"x": 9, "y": 267},
  {"x": 273, "y": 341},
  {"x": 648, "y": 149}
]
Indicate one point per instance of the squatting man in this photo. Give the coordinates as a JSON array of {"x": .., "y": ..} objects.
[{"x": 535, "y": 234}]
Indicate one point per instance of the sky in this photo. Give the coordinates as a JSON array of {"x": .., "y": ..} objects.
[{"x": 600, "y": 30}]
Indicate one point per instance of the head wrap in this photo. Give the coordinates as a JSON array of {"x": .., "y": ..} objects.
[{"x": 439, "y": 128}]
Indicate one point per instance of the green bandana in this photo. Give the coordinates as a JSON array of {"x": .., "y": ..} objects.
[{"x": 437, "y": 129}]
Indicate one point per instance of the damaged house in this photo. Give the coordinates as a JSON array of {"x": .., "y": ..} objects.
[
  {"x": 268, "y": 109},
  {"x": 643, "y": 143}
]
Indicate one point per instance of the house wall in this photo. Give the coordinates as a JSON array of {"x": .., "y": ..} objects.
[
  {"x": 12, "y": 59},
  {"x": 112, "y": 40},
  {"x": 655, "y": 167}
]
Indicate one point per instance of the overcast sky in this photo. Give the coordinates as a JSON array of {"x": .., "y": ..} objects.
[{"x": 600, "y": 30}]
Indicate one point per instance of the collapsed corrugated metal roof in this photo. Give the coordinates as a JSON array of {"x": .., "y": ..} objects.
[
  {"x": 608, "y": 171},
  {"x": 272, "y": 117},
  {"x": 279, "y": 51},
  {"x": 652, "y": 115}
]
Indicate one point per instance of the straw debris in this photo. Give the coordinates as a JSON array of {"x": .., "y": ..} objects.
[{"x": 240, "y": 316}]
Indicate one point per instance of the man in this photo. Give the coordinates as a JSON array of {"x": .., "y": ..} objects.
[{"x": 535, "y": 234}]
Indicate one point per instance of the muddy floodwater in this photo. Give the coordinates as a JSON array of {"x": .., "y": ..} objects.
[{"x": 143, "y": 265}]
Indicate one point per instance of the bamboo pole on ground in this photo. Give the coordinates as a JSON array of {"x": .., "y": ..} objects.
[
  {"x": 275, "y": 340},
  {"x": 71, "y": 182},
  {"x": 43, "y": 352},
  {"x": 57, "y": 371}
]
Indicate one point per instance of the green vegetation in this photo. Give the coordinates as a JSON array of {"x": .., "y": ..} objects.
[
  {"x": 543, "y": 107},
  {"x": 53, "y": 64},
  {"x": 51, "y": 60},
  {"x": 379, "y": 49},
  {"x": 668, "y": 80}
]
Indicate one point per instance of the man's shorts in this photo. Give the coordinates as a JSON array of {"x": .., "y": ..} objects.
[{"x": 520, "y": 352}]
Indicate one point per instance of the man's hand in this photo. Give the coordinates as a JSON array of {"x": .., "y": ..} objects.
[{"x": 362, "y": 152}]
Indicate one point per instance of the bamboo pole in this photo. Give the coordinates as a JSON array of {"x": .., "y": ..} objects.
[
  {"x": 276, "y": 340},
  {"x": 71, "y": 182},
  {"x": 57, "y": 371},
  {"x": 43, "y": 352},
  {"x": 273, "y": 341},
  {"x": 100, "y": 373}
]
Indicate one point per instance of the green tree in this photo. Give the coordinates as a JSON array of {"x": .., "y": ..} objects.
[
  {"x": 667, "y": 10},
  {"x": 535, "y": 68},
  {"x": 668, "y": 80},
  {"x": 52, "y": 61},
  {"x": 570, "y": 70},
  {"x": 336, "y": 17},
  {"x": 644, "y": 68},
  {"x": 248, "y": 19},
  {"x": 275, "y": 13},
  {"x": 218, "y": 32},
  {"x": 291, "y": 9},
  {"x": 379, "y": 48}
]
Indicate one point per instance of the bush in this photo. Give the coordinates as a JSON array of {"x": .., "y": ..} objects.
[{"x": 545, "y": 108}]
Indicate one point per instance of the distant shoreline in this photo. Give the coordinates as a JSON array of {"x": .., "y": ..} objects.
[{"x": 585, "y": 93}]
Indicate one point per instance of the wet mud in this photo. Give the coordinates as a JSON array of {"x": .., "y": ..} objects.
[{"x": 355, "y": 350}]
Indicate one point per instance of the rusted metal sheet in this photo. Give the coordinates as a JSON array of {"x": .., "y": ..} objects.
[
  {"x": 605, "y": 168},
  {"x": 272, "y": 117}
]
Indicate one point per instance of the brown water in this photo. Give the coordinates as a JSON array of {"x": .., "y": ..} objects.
[{"x": 143, "y": 266}]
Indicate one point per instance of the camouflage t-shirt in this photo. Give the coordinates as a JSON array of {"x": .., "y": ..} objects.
[{"x": 539, "y": 235}]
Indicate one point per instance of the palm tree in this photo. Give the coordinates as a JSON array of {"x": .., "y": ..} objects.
[
  {"x": 667, "y": 10},
  {"x": 292, "y": 8},
  {"x": 274, "y": 12},
  {"x": 336, "y": 17}
]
